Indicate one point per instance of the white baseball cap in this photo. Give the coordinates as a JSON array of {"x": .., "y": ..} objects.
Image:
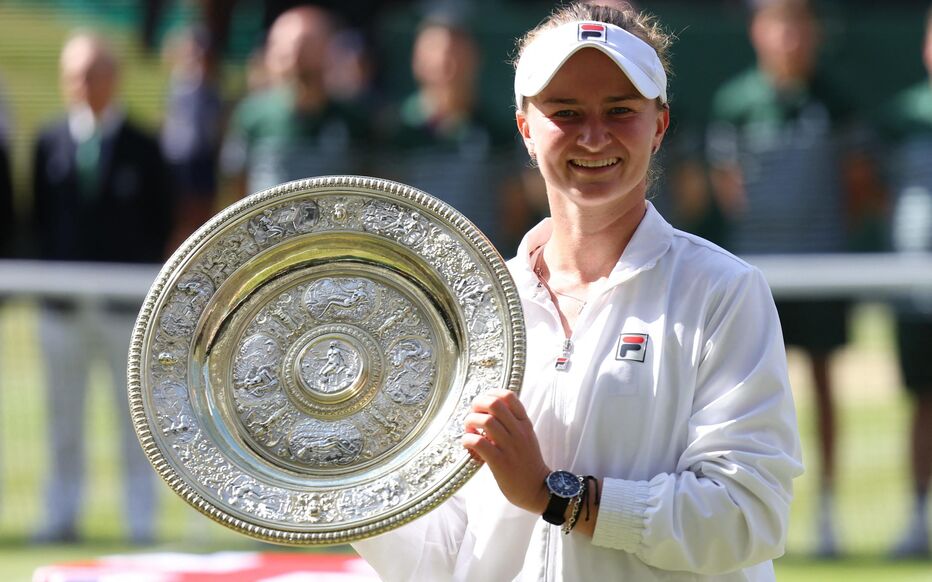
[{"x": 544, "y": 56}]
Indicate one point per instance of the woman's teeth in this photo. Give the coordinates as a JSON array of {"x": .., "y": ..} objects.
[{"x": 595, "y": 163}]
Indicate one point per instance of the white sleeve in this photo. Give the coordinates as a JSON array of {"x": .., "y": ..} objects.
[
  {"x": 727, "y": 505},
  {"x": 425, "y": 549}
]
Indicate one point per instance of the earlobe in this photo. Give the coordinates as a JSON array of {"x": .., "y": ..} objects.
[
  {"x": 664, "y": 120},
  {"x": 525, "y": 131},
  {"x": 663, "y": 123},
  {"x": 521, "y": 121}
]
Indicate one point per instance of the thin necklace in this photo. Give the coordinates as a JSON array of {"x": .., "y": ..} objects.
[
  {"x": 562, "y": 362},
  {"x": 581, "y": 302},
  {"x": 539, "y": 270}
]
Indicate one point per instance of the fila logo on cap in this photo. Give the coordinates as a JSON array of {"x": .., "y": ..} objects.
[
  {"x": 632, "y": 346},
  {"x": 592, "y": 31}
]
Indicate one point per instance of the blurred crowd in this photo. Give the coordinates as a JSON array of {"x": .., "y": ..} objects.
[{"x": 786, "y": 165}]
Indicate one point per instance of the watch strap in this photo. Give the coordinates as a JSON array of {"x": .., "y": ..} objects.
[{"x": 556, "y": 509}]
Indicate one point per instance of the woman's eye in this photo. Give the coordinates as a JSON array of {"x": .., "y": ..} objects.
[
  {"x": 619, "y": 110},
  {"x": 564, "y": 113}
]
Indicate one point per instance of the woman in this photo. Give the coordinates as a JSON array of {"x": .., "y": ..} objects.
[{"x": 656, "y": 372}]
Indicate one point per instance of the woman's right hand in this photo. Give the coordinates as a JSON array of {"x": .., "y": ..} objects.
[{"x": 499, "y": 431}]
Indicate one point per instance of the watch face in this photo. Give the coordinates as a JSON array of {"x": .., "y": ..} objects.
[{"x": 563, "y": 484}]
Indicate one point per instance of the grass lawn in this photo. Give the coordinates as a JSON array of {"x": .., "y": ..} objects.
[{"x": 790, "y": 569}]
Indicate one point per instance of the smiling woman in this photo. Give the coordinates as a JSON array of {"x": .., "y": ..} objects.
[
  {"x": 593, "y": 134},
  {"x": 655, "y": 425}
]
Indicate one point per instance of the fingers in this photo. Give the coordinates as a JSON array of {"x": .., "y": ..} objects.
[
  {"x": 503, "y": 405},
  {"x": 488, "y": 426},
  {"x": 497, "y": 426},
  {"x": 480, "y": 448}
]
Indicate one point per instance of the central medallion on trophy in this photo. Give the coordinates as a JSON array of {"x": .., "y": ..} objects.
[{"x": 330, "y": 367}]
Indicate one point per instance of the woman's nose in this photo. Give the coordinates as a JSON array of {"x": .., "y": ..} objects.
[{"x": 594, "y": 134}]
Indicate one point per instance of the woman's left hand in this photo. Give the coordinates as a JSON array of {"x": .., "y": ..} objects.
[{"x": 499, "y": 431}]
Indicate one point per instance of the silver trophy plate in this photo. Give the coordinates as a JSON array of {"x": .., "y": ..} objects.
[{"x": 302, "y": 367}]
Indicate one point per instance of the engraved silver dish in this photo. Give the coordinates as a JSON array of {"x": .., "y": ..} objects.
[{"x": 301, "y": 368}]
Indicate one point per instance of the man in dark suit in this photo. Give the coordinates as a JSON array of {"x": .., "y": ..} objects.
[
  {"x": 99, "y": 195},
  {"x": 7, "y": 220}
]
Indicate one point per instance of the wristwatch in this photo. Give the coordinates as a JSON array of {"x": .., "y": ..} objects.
[{"x": 563, "y": 486}]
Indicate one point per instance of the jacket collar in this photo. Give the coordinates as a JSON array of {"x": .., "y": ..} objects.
[
  {"x": 82, "y": 124},
  {"x": 652, "y": 239}
]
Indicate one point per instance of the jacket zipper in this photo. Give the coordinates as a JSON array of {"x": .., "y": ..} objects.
[{"x": 561, "y": 365}]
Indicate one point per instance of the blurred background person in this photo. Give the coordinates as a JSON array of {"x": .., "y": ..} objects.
[
  {"x": 680, "y": 187},
  {"x": 909, "y": 122},
  {"x": 7, "y": 208},
  {"x": 7, "y": 216},
  {"x": 191, "y": 131},
  {"x": 291, "y": 127},
  {"x": 782, "y": 146},
  {"x": 215, "y": 19},
  {"x": 351, "y": 70},
  {"x": 682, "y": 191},
  {"x": 444, "y": 143},
  {"x": 99, "y": 194}
]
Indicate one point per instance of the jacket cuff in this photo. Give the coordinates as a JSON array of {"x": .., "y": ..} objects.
[{"x": 622, "y": 508}]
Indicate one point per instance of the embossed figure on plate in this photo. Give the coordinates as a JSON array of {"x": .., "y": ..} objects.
[
  {"x": 330, "y": 366},
  {"x": 312, "y": 507},
  {"x": 400, "y": 314},
  {"x": 409, "y": 227},
  {"x": 245, "y": 492},
  {"x": 266, "y": 420},
  {"x": 274, "y": 225},
  {"x": 325, "y": 444},
  {"x": 264, "y": 228},
  {"x": 283, "y": 310},
  {"x": 381, "y": 495},
  {"x": 174, "y": 411},
  {"x": 347, "y": 298},
  {"x": 340, "y": 213},
  {"x": 181, "y": 313},
  {"x": 224, "y": 259},
  {"x": 255, "y": 369},
  {"x": 410, "y": 380},
  {"x": 471, "y": 292},
  {"x": 303, "y": 216}
]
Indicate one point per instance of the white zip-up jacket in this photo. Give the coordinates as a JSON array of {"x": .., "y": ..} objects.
[{"x": 694, "y": 434}]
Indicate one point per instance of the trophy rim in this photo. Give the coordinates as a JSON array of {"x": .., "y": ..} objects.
[{"x": 467, "y": 233}]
